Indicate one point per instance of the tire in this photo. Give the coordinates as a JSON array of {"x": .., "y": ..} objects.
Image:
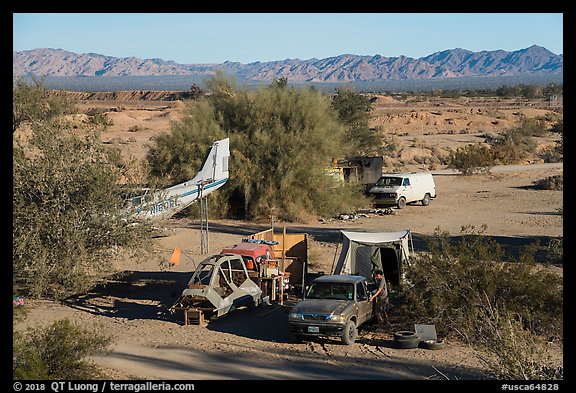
[
  {"x": 401, "y": 203},
  {"x": 406, "y": 339},
  {"x": 407, "y": 344},
  {"x": 405, "y": 335},
  {"x": 432, "y": 344},
  {"x": 426, "y": 200},
  {"x": 349, "y": 333}
]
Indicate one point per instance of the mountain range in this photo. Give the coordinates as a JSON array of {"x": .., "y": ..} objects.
[{"x": 451, "y": 63}]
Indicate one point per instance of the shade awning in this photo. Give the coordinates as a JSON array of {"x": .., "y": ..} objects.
[{"x": 375, "y": 238}]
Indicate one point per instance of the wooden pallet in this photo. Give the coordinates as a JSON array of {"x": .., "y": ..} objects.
[{"x": 194, "y": 317}]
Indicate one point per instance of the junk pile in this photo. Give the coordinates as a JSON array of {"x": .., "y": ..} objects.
[{"x": 361, "y": 213}]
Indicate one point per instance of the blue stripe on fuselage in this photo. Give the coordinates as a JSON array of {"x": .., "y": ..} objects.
[{"x": 209, "y": 186}]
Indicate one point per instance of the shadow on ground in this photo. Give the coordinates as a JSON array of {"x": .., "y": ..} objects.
[
  {"x": 134, "y": 295},
  {"x": 265, "y": 323}
]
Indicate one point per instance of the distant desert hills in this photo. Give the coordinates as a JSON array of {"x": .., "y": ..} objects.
[{"x": 451, "y": 63}]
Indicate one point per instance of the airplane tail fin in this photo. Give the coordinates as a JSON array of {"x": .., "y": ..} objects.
[
  {"x": 215, "y": 165},
  {"x": 165, "y": 203}
]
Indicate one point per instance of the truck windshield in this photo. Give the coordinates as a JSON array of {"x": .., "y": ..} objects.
[
  {"x": 389, "y": 182},
  {"x": 331, "y": 290}
]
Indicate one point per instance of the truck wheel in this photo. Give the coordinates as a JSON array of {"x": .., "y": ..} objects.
[
  {"x": 401, "y": 203},
  {"x": 349, "y": 333},
  {"x": 426, "y": 200}
]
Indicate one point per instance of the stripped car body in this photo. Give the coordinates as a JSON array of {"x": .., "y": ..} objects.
[
  {"x": 335, "y": 306},
  {"x": 219, "y": 285}
]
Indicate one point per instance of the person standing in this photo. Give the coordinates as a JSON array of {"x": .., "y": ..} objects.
[{"x": 381, "y": 296}]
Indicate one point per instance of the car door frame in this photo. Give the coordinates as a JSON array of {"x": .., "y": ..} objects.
[
  {"x": 364, "y": 306},
  {"x": 407, "y": 191}
]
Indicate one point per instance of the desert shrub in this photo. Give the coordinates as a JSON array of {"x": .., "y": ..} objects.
[
  {"x": 98, "y": 118},
  {"x": 550, "y": 117},
  {"x": 557, "y": 126},
  {"x": 32, "y": 102},
  {"x": 391, "y": 144},
  {"x": 553, "y": 88},
  {"x": 523, "y": 90},
  {"x": 418, "y": 143},
  {"x": 555, "y": 183},
  {"x": 505, "y": 152},
  {"x": 353, "y": 111},
  {"x": 281, "y": 140},
  {"x": 455, "y": 280},
  {"x": 531, "y": 127},
  {"x": 510, "y": 350},
  {"x": 514, "y": 145},
  {"x": 58, "y": 351},
  {"x": 476, "y": 158},
  {"x": 68, "y": 216},
  {"x": 555, "y": 250},
  {"x": 554, "y": 153}
]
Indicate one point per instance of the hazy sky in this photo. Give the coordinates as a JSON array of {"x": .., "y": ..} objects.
[{"x": 195, "y": 38}]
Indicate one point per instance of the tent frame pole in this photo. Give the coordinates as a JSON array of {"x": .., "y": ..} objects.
[{"x": 335, "y": 253}]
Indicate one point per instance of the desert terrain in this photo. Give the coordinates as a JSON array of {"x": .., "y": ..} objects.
[{"x": 151, "y": 343}]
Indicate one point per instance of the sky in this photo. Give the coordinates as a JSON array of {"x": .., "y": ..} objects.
[{"x": 213, "y": 38}]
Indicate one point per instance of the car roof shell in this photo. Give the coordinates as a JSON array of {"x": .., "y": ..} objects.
[
  {"x": 217, "y": 258},
  {"x": 339, "y": 278}
]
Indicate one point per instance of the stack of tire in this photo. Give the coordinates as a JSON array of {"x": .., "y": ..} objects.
[{"x": 405, "y": 339}]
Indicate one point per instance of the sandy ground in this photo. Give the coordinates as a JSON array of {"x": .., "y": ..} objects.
[{"x": 150, "y": 343}]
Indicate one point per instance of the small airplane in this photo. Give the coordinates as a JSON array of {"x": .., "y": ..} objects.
[{"x": 165, "y": 203}]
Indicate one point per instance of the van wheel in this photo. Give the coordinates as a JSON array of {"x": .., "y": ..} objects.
[
  {"x": 426, "y": 200},
  {"x": 349, "y": 333},
  {"x": 401, "y": 203}
]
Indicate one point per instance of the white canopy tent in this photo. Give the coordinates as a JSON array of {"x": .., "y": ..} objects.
[{"x": 364, "y": 252}]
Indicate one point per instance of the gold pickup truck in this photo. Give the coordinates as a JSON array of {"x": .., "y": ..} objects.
[{"x": 334, "y": 306}]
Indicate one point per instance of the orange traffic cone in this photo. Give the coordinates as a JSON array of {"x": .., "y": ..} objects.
[{"x": 175, "y": 258}]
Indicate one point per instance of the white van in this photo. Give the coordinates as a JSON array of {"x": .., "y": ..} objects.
[{"x": 398, "y": 189}]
